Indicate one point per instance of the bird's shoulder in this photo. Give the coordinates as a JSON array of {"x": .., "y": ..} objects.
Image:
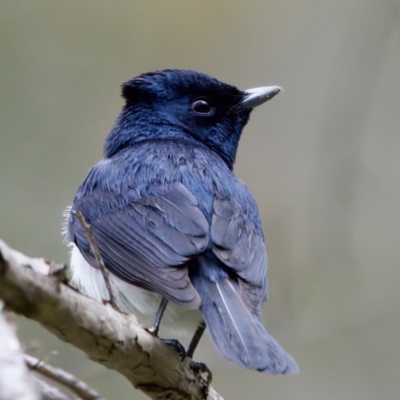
[
  {"x": 137, "y": 171},
  {"x": 114, "y": 180}
]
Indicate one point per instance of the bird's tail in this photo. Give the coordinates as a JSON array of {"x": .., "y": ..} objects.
[{"x": 236, "y": 332}]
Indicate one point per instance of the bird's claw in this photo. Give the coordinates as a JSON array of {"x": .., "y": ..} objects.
[
  {"x": 203, "y": 369},
  {"x": 176, "y": 345}
]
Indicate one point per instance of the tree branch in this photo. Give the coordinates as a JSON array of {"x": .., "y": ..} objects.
[
  {"x": 62, "y": 377},
  {"x": 108, "y": 337},
  {"x": 51, "y": 392},
  {"x": 13, "y": 368}
]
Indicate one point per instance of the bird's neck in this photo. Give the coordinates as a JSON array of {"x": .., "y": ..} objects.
[
  {"x": 134, "y": 127},
  {"x": 130, "y": 129}
]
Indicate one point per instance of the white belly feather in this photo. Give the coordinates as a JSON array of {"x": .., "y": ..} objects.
[{"x": 141, "y": 302}]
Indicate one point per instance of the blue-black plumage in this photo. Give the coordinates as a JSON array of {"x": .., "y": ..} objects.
[{"x": 171, "y": 219}]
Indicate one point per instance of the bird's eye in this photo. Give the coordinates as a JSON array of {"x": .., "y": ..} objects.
[{"x": 202, "y": 106}]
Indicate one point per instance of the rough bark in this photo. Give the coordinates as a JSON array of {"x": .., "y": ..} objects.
[{"x": 108, "y": 337}]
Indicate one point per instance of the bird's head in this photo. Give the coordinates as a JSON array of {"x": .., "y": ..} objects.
[{"x": 185, "y": 105}]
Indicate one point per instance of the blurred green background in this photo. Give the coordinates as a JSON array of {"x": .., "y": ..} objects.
[{"x": 322, "y": 160}]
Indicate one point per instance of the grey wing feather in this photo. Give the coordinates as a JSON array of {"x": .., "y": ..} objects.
[
  {"x": 148, "y": 241},
  {"x": 240, "y": 246}
]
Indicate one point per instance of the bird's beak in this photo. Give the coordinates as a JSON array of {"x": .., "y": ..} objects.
[{"x": 255, "y": 97}]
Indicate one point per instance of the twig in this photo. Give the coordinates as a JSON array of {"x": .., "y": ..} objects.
[
  {"x": 65, "y": 378},
  {"x": 95, "y": 250},
  {"x": 51, "y": 392}
]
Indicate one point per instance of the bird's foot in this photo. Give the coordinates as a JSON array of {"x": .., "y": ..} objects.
[
  {"x": 203, "y": 369},
  {"x": 157, "y": 320},
  {"x": 152, "y": 329},
  {"x": 176, "y": 345}
]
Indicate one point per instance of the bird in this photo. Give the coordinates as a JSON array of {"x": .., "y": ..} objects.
[{"x": 176, "y": 229}]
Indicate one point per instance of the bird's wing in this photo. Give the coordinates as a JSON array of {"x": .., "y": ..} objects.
[
  {"x": 146, "y": 238},
  {"x": 238, "y": 242}
]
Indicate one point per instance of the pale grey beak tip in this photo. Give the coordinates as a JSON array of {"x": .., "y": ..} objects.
[{"x": 257, "y": 96}]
